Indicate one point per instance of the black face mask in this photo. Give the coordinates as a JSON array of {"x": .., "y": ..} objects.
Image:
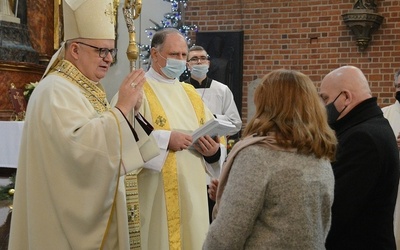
[
  {"x": 397, "y": 96},
  {"x": 332, "y": 112}
]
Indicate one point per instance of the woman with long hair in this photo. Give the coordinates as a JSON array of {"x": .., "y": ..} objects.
[{"x": 276, "y": 189}]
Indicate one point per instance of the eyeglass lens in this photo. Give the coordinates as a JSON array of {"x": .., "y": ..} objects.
[
  {"x": 103, "y": 52},
  {"x": 196, "y": 59}
]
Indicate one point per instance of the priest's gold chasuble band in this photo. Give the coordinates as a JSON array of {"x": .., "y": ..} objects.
[{"x": 169, "y": 171}]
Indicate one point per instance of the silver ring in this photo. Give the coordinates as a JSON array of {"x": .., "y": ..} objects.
[{"x": 133, "y": 85}]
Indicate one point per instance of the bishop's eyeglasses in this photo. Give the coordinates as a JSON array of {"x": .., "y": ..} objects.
[{"x": 103, "y": 52}]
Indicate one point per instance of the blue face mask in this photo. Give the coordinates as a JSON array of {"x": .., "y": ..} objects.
[
  {"x": 199, "y": 71},
  {"x": 174, "y": 67}
]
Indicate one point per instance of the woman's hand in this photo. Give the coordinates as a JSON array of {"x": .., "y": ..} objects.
[{"x": 212, "y": 189}]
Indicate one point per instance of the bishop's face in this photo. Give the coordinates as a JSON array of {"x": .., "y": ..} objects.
[{"x": 95, "y": 57}]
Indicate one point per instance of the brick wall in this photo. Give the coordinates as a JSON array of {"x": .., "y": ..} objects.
[{"x": 305, "y": 35}]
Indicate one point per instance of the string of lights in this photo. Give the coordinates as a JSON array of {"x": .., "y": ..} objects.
[{"x": 171, "y": 19}]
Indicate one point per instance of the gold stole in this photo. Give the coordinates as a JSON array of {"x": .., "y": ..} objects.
[
  {"x": 169, "y": 170},
  {"x": 92, "y": 91},
  {"x": 223, "y": 141},
  {"x": 132, "y": 205}
]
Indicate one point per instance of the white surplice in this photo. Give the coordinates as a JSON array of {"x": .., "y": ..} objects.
[{"x": 392, "y": 114}]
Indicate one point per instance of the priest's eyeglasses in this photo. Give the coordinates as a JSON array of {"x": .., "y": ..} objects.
[
  {"x": 103, "y": 52},
  {"x": 196, "y": 59}
]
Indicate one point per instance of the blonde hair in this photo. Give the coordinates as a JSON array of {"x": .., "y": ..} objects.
[{"x": 287, "y": 103}]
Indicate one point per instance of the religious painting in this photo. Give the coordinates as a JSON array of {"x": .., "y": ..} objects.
[{"x": 19, "y": 102}]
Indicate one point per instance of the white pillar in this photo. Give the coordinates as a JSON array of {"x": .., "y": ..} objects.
[{"x": 6, "y": 14}]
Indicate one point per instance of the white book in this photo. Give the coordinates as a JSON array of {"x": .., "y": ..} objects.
[{"x": 214, "y": 127}]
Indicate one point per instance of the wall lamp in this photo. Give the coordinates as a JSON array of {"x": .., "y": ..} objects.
[{"x": 363, "y": 20}]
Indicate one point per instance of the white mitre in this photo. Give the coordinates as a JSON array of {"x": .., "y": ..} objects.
[{"x": 91, "y": 19}]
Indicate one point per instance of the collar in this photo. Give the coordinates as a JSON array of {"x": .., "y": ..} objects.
[
  {"x": 365, "y": 110},
  {"x": 206, "y": 83},
  {"x": 153, "y": 75},
  {"x": 93, "y": 91}
]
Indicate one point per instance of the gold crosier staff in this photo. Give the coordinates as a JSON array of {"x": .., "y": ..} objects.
[{"x": 132, "y": 11}]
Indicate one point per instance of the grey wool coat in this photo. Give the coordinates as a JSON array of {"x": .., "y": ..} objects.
[{"x": 274, "y": 200}]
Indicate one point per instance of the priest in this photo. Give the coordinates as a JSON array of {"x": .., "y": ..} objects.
[{"x": 172, "y": 194}]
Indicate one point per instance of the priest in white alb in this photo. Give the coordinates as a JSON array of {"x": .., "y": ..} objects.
[{"x": 172, "y": 194}]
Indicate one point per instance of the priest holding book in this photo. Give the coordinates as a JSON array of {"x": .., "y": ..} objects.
[{"x": 172, "y": 194}]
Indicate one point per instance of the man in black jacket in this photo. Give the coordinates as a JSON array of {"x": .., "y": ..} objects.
[{"x": 366, "y": 167}]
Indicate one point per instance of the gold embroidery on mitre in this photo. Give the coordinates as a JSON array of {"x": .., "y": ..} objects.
[
  {"x": 92, "y": 91},
  {"x": 109, "y": 11}
]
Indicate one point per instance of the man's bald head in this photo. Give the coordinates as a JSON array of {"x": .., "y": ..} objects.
[
  {"x": 350, "y": 83},
  {"x": 351, "y": 78}
]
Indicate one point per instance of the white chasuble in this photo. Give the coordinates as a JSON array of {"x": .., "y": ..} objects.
[
  {"x": 392, "y": 113},
  {"x": 191, "y": 175},
  {"x": 68, "y": 171}
]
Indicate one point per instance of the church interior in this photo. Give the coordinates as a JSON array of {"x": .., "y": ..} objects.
[{"x": 246, "y": 38}]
